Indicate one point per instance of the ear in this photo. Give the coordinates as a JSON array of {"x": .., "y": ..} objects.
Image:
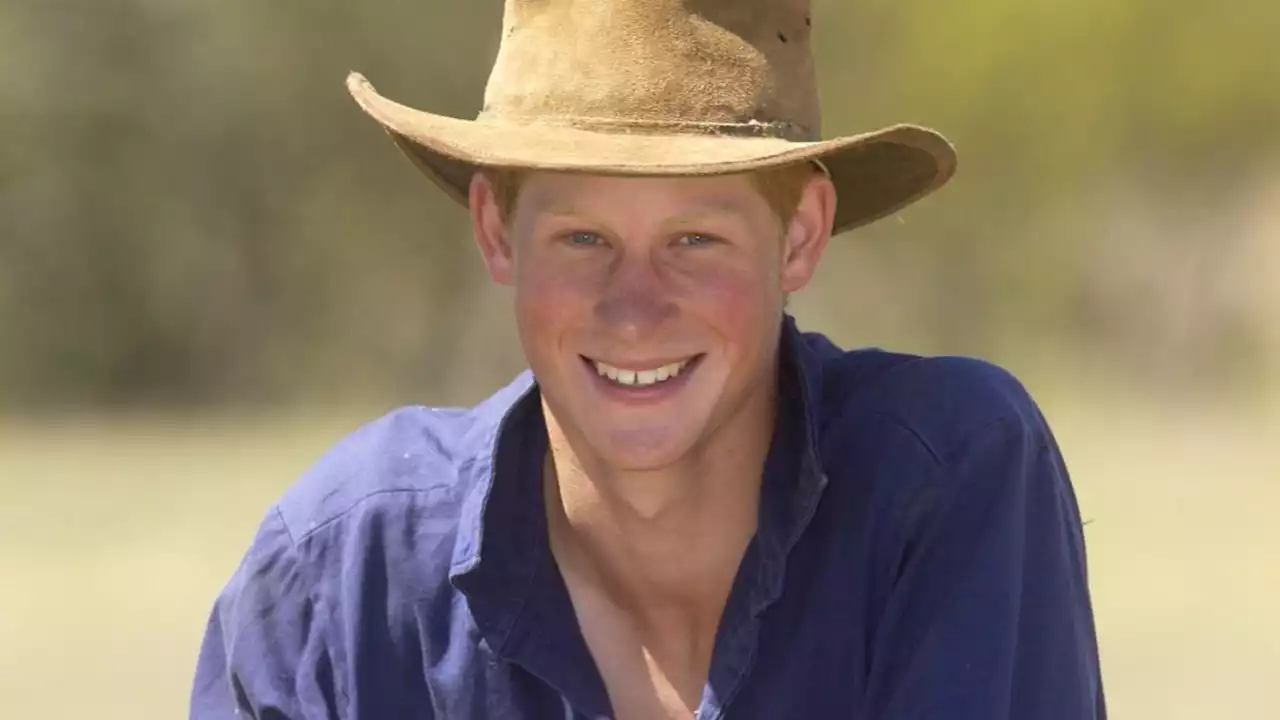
[
  {"x": 808, "y": 233},
  {"x": 490, "y": 230}
]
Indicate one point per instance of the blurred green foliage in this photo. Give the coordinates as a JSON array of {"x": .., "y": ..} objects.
[{"x": 192, "y": 211}]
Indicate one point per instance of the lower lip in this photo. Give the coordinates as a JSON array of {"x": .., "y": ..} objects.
[{"x": 642, "y": 394}]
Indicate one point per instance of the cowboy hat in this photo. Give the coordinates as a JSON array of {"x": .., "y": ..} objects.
[{"x": 662, "y": 87}]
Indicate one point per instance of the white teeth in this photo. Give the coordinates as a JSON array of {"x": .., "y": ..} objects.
[{"x": 640, "y": 378}]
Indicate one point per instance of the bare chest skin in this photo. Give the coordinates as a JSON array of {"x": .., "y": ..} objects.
[
  {"x": 648, "y": 675},
  {"x": 649, "y": 581}
]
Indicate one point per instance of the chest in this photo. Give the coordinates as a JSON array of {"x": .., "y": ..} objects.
[
  {"x": 644, "y": 677},
  {"x": 804, "y": 656},
  {"x": 805, "y": 652}
]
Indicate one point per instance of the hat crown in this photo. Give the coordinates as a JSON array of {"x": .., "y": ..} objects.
[{"x": 730, "y": 67}]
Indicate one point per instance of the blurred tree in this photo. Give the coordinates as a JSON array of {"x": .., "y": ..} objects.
[{"x": 192, "y": 210}]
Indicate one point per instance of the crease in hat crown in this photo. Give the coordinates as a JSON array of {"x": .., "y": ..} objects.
[
  {"x": 732, "y": 67},
  {"x": 662, "y": 87}
]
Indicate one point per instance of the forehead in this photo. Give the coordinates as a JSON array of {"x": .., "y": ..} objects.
[{"x": 570, "y": 192}]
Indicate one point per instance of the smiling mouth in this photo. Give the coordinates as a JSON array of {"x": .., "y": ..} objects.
[{"x": 640, "y": 378}]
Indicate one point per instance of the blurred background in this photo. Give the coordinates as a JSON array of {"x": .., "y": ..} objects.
[{"x": 212, "y": 266}]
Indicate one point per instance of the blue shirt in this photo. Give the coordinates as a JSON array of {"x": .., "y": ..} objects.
[{"x": 919, "y": 554}]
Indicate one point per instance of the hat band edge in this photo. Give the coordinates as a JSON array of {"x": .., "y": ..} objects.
[{"x": 774, "y": 129}]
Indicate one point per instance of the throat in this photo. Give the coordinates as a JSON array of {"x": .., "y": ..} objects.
[
  {"x": 679, "y": 553},
  {"x": 653, "y": 648},
  {"x": 649, "y": 561}
]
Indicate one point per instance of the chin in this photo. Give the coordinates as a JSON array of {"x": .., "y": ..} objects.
[
  {"x": 649, "y": 438},
  {"x": 632, "y": 439},
  {"x": 641, "y": 449}
]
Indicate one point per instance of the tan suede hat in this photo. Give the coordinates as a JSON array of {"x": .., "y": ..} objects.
[{"x": 662, "y": 87}]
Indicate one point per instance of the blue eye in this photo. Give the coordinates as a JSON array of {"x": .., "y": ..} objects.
[
  {"x": 583, "y": 239},
  {"x": 696, "y": 240}
]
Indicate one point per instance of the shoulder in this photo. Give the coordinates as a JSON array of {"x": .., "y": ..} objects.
[
  {"x": 919, "y": 439},
  {"x": 390, "y": 496},
  {"x": 409, "y": 451},
  {"x": 943, "y": 402},
  {"x": 412, "y": 452}
]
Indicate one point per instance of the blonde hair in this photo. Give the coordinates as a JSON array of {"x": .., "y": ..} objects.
[{"x": 781, "y": 187}]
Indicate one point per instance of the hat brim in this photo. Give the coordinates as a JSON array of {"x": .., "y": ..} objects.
[{"x": 875, "y": 174}]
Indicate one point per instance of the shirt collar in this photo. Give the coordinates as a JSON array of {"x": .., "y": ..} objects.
[
  {"x": 793, "y": 475},
  {"x": 501, "y": 552}
]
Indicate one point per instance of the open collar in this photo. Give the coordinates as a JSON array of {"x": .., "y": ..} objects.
[{"x": 502, "y": 561}]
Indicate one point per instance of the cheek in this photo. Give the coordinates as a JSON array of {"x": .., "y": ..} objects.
[
  {"x": 552, "y": 285},
  {"x": 548, "y": 303},
  {"x": 741, "y": 306}
]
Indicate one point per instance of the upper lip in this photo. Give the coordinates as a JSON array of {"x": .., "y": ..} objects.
[{"x": 642, "y": 365}]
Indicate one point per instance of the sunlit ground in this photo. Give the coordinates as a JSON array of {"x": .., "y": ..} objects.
[{"x": 115, "y": 537}]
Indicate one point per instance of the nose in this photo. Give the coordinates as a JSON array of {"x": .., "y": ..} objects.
[{"x": 636, "y": 299}]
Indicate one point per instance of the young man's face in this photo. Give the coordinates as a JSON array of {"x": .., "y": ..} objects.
[{"x": 649, "y": 308}]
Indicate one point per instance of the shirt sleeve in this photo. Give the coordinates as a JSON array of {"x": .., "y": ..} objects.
[
  {"x": 265, "y": 654},
  {"x": 989, "y": 616}
]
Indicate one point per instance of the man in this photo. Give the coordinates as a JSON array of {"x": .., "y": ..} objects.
[{"x": 688, "y": 508}]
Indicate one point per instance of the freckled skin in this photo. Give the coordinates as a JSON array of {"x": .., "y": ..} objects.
[{"x": 651, "y": 271}]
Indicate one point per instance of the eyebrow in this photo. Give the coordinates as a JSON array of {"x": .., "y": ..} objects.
[
  {"x": 715, "y": 208},
  {"x": 712, "y": 209},
  {"x": 559, "y": 211}
]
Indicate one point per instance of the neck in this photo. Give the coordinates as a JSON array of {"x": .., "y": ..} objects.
[{"x": 664, "y": 544}]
